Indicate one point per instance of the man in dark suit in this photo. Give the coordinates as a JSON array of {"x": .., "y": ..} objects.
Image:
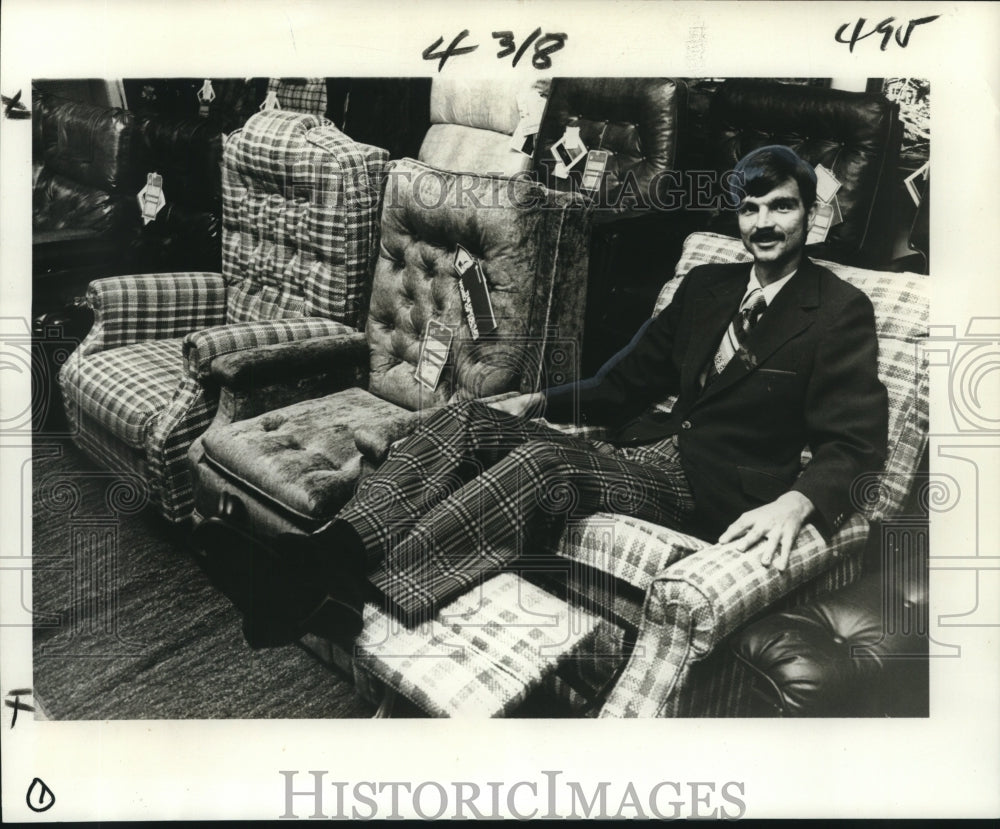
[{"x": 765, "y": 359}]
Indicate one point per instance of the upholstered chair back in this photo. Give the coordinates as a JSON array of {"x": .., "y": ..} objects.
[
  {"x": 531, "y": 243},
  {"x": 292, "y": 245},
  {"x": 637, "y": 120},
  {"x": 901, "y": 306},
  {"x": 855, "y": 135},
  {"x": 82, "y": 170},
  {"x": 472, "y": 121},
  {"x": 307, "y": 96}
]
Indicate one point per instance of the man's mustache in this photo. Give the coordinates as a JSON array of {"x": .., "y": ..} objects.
[{"x": 767, "y": 236}]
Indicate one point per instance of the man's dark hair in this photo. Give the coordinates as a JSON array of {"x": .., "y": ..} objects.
[{"x": 763, "y": 169}]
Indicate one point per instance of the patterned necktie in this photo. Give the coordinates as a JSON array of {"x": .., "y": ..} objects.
[{"x": 742, "y": 324}]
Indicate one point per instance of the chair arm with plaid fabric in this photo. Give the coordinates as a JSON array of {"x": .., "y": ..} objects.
[
  {"x": 695, "y": 603},
  {"x": 132, "y": 309},
  {"x": 201, "y": 348}
]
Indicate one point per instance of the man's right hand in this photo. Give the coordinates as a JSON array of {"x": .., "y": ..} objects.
[{"x": 518, "y": 405}]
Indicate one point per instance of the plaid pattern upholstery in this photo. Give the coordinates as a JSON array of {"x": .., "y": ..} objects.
[
  {"x": 305, "y": 95},
  {"x": 481, "y": 655},
  {"x": 698, "y": 593},
  {"x": 300, "y": 205},
  {"x": 298, "y": 232},
  {"x": 132, "y": 309},
  {"x": 125, "y": 389}
]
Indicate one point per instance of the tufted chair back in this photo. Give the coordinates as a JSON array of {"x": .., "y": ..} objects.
[
  {"x": 472, "y": 121},
  {"x": 856, "y": 135},
  {"x": 636, "y": 119},
  {"x": 307, "y": 96},
  {"x": 82, "y": 171},
  {"x": 532, "y": 246},
  {"x": 291, "y": 244}
]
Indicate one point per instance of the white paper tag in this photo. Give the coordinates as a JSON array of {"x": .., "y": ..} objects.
[
  {"x": 530, "y": 108},
  {"x": 593, "y": 171},
  {"x": 821, "y": 223},
  {"x": 271, "y": 101},
  {"x": 827, "y": 184},
  {"x": 151, "y": 198},
  {"x": 205, "y": 97},
  {"x": 568, "y": 151},
  {"x": 433, "y": 354}
]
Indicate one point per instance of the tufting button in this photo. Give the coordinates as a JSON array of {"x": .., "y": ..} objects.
[{"x": 838, "y": 640}]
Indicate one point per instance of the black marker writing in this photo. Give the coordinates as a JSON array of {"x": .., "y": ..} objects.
[{"x": 885, "y": 28}]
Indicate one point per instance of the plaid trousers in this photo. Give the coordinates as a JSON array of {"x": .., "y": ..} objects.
[{"x": 465, "y": 494}]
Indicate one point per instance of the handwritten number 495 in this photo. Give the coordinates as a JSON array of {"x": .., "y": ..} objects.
[
  {"x": 884, "y": 28},
  {"x": 545, "y": 45}
]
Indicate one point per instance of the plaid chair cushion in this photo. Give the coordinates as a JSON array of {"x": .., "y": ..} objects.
[
  {"x": 483, "y": 653},
  {"x": 300, "y": 205},
  {"x": 126, "y": 389}
]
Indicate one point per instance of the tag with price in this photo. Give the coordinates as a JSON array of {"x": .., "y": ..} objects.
[{"x": 151, "y": 198}]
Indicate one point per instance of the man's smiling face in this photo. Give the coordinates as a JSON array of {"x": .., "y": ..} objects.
[{"x": 774, "y": 226}]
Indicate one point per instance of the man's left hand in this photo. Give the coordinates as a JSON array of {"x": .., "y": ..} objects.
[{"x": 771, "y": 529}]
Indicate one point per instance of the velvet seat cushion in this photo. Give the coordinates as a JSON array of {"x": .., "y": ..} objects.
[
  {"x": 126, "y": 389},
  {"x": 301, "y": 458}
]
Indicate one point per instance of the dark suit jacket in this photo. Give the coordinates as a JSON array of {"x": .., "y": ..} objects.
[{"x": 808, "y": 376}]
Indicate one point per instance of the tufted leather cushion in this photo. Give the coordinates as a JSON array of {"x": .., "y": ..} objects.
[
  {"x": 472, "y": 121},
  {"x": 299, "y": 210},
  {"x": 301, "y": 458},
  {"x": 187, "y": 152},
  {"x": 837, "y": 656},
  {"x": 81, "y": 172},
  {"x": 856, "y": 135},
  {"x": 635, "y": 119},
  {"x": 519, "y": 232}
]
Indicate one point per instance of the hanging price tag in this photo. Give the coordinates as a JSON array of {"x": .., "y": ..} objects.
[
  {"x": 433, "y": 354},
  {"x": 568, "y": 151},
  {"x": 205, "y": 97},
  {"x": 271, "y": 101},
  {"x": 151, "y": 198},
  {"x": 475, "y": 294}
]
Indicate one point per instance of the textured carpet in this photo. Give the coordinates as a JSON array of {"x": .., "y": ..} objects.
[{"x": 128, "y": 625}]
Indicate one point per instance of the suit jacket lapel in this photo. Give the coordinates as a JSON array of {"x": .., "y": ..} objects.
[
  {"x": 711, "y": 313},
  {"x": 792, "y": 311}
]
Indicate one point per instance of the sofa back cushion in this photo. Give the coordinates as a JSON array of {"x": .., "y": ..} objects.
[
  {"x": 299, "y": 219},
  {"x": 635, "y": 119},
  {"x": 532, "y": 245},
  {"x": 901, "y": 303},
  {"x": 472, "y": 121},
  {"x": 855, "y": 135},
  {"x": 303, "y": 95}
]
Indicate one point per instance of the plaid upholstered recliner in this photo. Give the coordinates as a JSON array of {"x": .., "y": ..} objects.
[
  {"x": 297, "y": 425},
  {"x": 299, "y": 206},
  {"x": 638, "y": 625}
]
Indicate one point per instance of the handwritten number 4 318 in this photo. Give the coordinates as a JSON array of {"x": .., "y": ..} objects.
[{"x": 545, "y": 45}]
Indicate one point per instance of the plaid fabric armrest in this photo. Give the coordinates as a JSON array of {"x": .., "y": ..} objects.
[
  {"x": 692, "y": 605},
  {"x": 202, "y": 347},
  {"x": 132, "y": 309}
]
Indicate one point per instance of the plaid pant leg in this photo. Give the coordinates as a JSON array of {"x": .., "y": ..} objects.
[
  {"x": 449, "y": 449},
  {"x": 488, "y": 522}
]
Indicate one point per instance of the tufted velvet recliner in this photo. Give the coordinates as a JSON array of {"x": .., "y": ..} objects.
[
  {"x": 291, "y": 467},
  {"x": 640, "y": 123},
  {"x": 299, "y": 206},
  {"x": 857, "y": 135},
  {"x": 640, "y": 621}
]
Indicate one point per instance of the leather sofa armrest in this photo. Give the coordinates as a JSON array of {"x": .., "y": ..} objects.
[{"x": 289, "y": 361}]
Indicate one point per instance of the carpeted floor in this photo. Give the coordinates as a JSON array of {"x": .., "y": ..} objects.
[{"x": 128, "y": 626}]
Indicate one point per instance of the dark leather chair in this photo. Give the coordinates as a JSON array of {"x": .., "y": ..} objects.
[
  {"x": 854, "y": 134},
  {"x": 636, "y": 237}
]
